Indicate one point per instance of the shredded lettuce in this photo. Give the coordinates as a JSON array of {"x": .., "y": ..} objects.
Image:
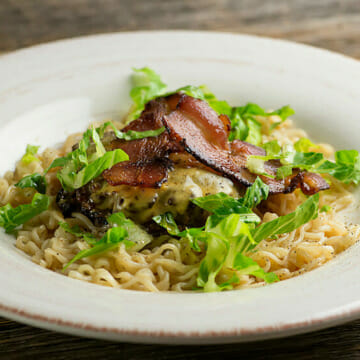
[
  {"x": 239, "y": 130},
  {"x": 109, "y": 241},
  {"x": 272, "y": 148},
  {"x": 284, "y": 224},
  {"x": 72, "y": 179},
  {"x": 167, "y": 221},
  {"x": 325, "y": 208},
  {"x": 225, "y": 247},
  {"x": 304, "y": 145},
  {"x": 226, "y": 234},
  {"x": 117, "y": 234},
  {"x": 147, "y": 85},
  {"x": 36, "y": 181},
  {"x": 247, "y": 266},
  {"x": 78, "y": 232},
  {"x": 136, "y": 235},
  {"x": 131, "y": 134},
  {"x": 256, "y": 193},
  {"x": 221, "y": 204},
  {"x": 78, "y": 168},
  {"x": 243, "y": 124},
  {"x": 245, "y": 127},
  {"x": 11, "y": 218},
  {"x": 29, "y": 157},
  {"x": 122, "y": 230},
  {"x": 257, "y": 166},
  {"x": 346, "y": 167},
  {"x": 203, "y": 93},
  {"x": 216, "y": 253},
  {"x": 283, "y": 113}
]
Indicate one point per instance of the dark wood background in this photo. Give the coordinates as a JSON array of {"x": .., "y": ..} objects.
[{"x": 332, "y": 24}]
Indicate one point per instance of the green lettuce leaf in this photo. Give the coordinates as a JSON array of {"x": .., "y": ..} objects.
[
  {"x": 227, "y": 233},
  {"x": 254, "y": 135},
  {"x": 167, "y": 221},
  {"x": 243, "y": 124},
  {"x": 273, "y": 149},
  {"x": 256, "y": 193},
  {"x": 239, "y": 129},
  {"x": 78, "y": 168},
  {"x": 284, "y": 224},
  {"x": 31, "y": 151},
  {"x": 71, "y": 179},
  {"x": 245, "y": 127},
  {"x": 134, "y": 135},
  {"x": 136, "y": 235},
  {"x": 247, "y": 266},
  {"x": 203, "y": 93},
  {"x": 78, "y": 232},
  {"x": 123, "y": 230},
  {"x": 216, "y": 252},
  {"x": 222, "y": 204},
  {"x": 346, "y": 167},
  {"x": 11, "y": 218},
  {"x": 326, "y": 208},
  {"x": 304, "y": 144},
  {"x": 232, "y": 238},
  {"x": 109, "y": 241},
  {"x": 284, "y": 171},
  {"x": 35, "y": 181},
  {"x": 225, "y": 245},
  {"x": 147, "y": 86},
  {"x": 284, "y": 113}
]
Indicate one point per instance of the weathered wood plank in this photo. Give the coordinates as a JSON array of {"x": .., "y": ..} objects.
[
  {"x": 23, "y": 342},
  {"x": 333, "y": 24}
]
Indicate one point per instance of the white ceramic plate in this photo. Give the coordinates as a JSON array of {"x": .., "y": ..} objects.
[{"x": 50, "y": 91}]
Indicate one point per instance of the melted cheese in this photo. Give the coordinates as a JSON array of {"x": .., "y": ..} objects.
[{"x": 183, "y": 184}]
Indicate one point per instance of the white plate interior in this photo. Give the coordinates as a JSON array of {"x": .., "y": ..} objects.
[{"x": 59, "y": 88}]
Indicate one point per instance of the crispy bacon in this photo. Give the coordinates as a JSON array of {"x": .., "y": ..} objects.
[
  {"x": 148, "y": 163},
  {"x": 196, "y": 137},
  {"x": 145, "y": 174},
  {"x": 196, "y": 127}
]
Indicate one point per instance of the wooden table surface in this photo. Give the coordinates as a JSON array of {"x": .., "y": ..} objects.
[{"x": 331, "y": 24}]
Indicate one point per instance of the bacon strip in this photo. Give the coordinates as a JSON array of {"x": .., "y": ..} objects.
[
  {"x": 196, "y": 127},
  {"x": 196, "y": 137},
  {"x": 148, "y": 163},
  {"x": 145, "y": 174}
]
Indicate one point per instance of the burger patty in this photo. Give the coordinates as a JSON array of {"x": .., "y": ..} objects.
[{"x": 98, "y": 199}]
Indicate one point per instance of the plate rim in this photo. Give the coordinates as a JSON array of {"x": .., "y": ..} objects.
[
  {"x": 179, "y": 337},
  {"x": 86, "y": 37},
  {"x": 238, "y": 335}
]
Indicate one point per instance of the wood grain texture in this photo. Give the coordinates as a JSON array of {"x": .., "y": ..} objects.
[{"x": 331, "y": 24}]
